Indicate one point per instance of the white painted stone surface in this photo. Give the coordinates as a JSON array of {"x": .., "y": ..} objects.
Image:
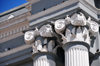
[
  {"x": 46, "y": 31},
  {"x": 43, "y": 61},
  {"x": 80, "y": 34},
  {"x": 60, "y": 25},
  {"x": 29, "y": 37},
  {"x": 78, "y": 20},
  {"x": 76, "y": 57},
  {"x": 68, "y": 20},
  {"x": 93, "y": 26},
  {"x": 74, "y": 29},
  {"x": 38, "y": 45}
]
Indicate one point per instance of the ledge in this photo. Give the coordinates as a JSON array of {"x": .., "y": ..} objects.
[
  {"x": 15, "y": 55},
  {"x": 53, "y": 12},
  {"x": 11, "y": 37},
  {"x": 63, "y": 8}
]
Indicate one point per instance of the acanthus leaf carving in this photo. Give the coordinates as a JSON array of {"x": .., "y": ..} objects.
[
  {"x": 51, "y": 45},
  {"x": 79, "y": 35},
  {"x": 78, "y": 20},
  {"x": 68, "y": 35},
  {"x": 68, "y": 20},
  {"x": 46, "y": 31},
  {"x": 68, "y": 29},
  {"x": 38, "y": 45},
  {"x": 86, "y": 35}
]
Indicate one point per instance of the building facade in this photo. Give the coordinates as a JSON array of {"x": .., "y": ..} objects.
[{"x": 51, "y": 33}]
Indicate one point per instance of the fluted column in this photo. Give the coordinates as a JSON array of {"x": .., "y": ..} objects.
[
  {"x": 76, "y": 55},
  {"x": 44, "y": 59}
]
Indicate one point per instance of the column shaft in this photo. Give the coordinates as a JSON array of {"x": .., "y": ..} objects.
[
  {"x": 76, "y": 55},
  {"x": 44, "y": 60}
]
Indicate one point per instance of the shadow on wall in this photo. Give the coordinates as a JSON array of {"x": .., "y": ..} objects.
[
  {"x": 97, "y": 3},
  {"x": 16, "y": 42}
]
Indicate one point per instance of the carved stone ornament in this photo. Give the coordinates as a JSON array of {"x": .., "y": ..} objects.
[
  {"x": 59, "y": 25},
  {"x": 38, "y": 45},
  {"x": 51, "y": 45},
  {"x": 68, "y": 20},
  {"x": 77, "y": 34},
  {"x": 70, "y": 29},
  {"x": 29, "y": 37},
  {"x": 94, "y": 27},
  {"x": 46, "y": 31},
  {"x": 78, "y": 20}
]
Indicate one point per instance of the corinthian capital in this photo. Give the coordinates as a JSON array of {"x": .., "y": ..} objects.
[
  {"x": 78, "y": 29},
  {"x": 74, "y": 29}
]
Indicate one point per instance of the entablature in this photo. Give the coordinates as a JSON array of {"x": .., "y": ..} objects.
[{"x": 66, "y": 7}]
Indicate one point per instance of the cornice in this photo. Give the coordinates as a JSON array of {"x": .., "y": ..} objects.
[
  {"x": 52, "y": 12},
  {"x": 11, "y": 37},
  {"x": 62, "y": 8}
]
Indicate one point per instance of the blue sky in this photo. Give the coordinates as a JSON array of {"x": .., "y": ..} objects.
[{"x": 9, "y": 4}]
